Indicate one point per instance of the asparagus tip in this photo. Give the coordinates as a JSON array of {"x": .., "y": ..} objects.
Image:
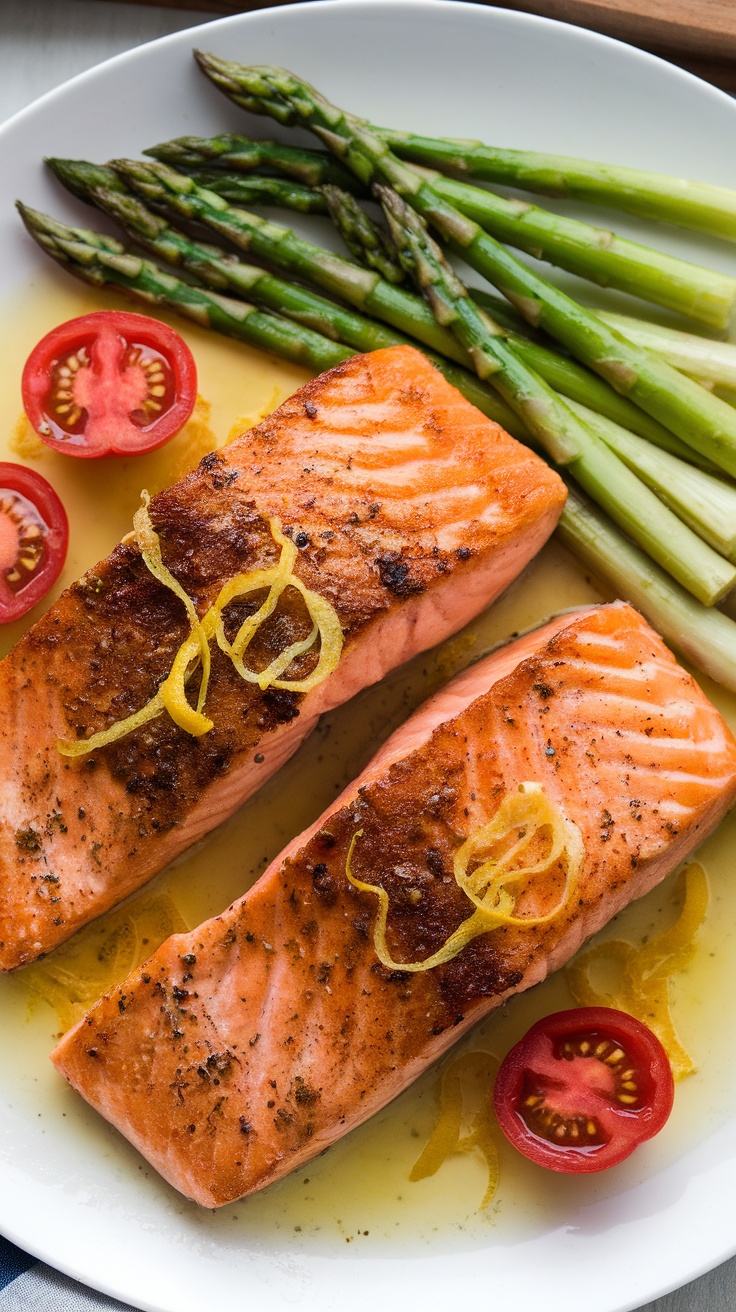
[
  {"x": 28, "y": 215},
  {"x": 59, "y": 167},
  {"x": 207, "y": 62}
]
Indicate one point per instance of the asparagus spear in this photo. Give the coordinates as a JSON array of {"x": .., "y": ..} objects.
[
  {"x": 239, "y": 154},
  {"x": 696, "y": 205},
  {"x": 253, "y": 189},
  {"x": 707, "y": 504},
  {"x": 593, "y": 253},
  {"x": 615, "y": 487},
  {"x": 398, "y": 307},
  {"x": 700, "y": 419},
  {"x": 704, "y": 635},
  {"x": 363, "y": 238},
  {"x": 713, "y": 362},
  {"x": 579, "y": 385},
  {"x": 596, "y": 253}
]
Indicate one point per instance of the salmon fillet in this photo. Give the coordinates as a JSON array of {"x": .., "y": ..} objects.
[
  {"x": 411, "y": 512},
  {"x": 244, "y": 1048}
]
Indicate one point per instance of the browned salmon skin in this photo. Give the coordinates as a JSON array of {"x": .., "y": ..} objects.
[
  {"x": 245, "y": 1047},
  {"x": 411, "y": 512}
]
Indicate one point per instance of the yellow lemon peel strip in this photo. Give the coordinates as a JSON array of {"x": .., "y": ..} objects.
[
  {"x": 326, "y": 623},
  {"x": 195, "y": 651},
  {"x": 66, "y": 747},
  {"x": 528, "y": 811},
  {"x": 445, "y": 1138},
  {"x": 173, "y": 689},
  {"x": 171, "y": 696},
  {"x": 645, "y": 973}
]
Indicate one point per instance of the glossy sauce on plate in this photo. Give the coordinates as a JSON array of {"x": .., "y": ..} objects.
[{"x": 359, "y": 1192}]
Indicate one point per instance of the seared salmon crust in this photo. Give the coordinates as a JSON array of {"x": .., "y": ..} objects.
[
  {"x": 410, "y": 510},
  {"x": 242, "y": 1049}
]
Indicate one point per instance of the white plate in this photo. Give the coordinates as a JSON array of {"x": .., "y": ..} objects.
[{"x": 83, "y": 1204}]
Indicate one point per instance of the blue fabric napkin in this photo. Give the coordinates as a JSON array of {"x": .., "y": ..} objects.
[{"x": 29, "y": 1286}]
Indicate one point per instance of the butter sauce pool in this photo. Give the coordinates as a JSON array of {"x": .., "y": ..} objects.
[{"x": 358, "y": 1193}]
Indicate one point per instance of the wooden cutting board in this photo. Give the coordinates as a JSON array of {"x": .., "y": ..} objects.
[
  {"x": 704, "y": 28},
  {"x": 698, "y": 34}
]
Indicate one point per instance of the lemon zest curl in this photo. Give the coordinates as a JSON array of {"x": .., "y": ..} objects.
[
  {"x": 490, "y": 885},
  {"x": 194, "y": 652}
]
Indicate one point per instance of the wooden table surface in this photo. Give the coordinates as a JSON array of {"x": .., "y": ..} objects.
[{"x": 44, "y": 42}]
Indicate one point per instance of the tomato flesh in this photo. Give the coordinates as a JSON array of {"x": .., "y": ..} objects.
[
  {"x": 583, "y": 1089},
  {"x": 34, "y": 535},
  {"x": 109, "y": 384}
]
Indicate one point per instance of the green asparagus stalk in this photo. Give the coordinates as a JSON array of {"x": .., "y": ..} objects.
[
  {"x": 707, "y": 504},
  {"x": 363, "y": 238},
  {"x": 701, "y": 420},
  {"x": 612, "y": 483},
  {"x": 596, "y": 253},
  {"x": 579, "y": 385},
  {"x": 402, "y": 309},
  {"x": 697, "y": 205},
  {"x": 704, "y": 635},
  {"x": 104, "y": 262},
  {"x": 712, "y": 362},
  {"x": 239, "y": 154},
  {"x": 593, "y": 253},
  {"x": 253, "y": 189}
]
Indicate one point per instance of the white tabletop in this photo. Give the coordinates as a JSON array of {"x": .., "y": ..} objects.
[{"x": 44, "y": 42}]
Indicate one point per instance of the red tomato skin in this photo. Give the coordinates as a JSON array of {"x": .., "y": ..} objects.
[
  {"x": 534, "y": 1053},
  {"x": 29, "y": 484},
  {"x": 133, "y": 328}
]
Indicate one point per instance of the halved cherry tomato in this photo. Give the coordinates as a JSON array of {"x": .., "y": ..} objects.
[
  {"x": 34, "y": 534},
  {"x": 583, "y": 1089},
  {"x": 109, "y": 384}
]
